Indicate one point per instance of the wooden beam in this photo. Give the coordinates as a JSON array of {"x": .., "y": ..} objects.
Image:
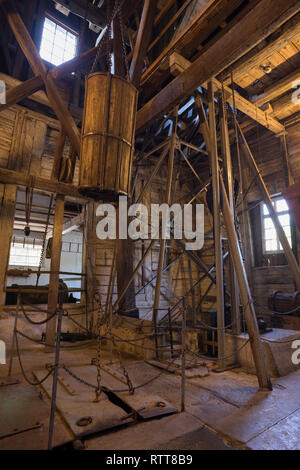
[
  {"x": 142, "y": 41},
  {"x": 22, "y": 179},
  {"x": 248, "y": 108},
  {"x": 290, "y": 257},
  {"x": 217, "y": 225},
  {"x": 229, "y": 183},
  {"x": 20, "y": 92},
  {"x": 55, "y": 268},
  {"x": 8, "y": 195},
  {"x": 72, "y": 65},
  {"x": 251, "y": 110},
  {"x": 162, "y": 247},
  {"x": 259, "y": 22},
  {"x": 29, "y": 49},
  {"x": 247, "y": 301},
  {"x": 262, "y": 52},
  {"x": 86, "y": 10},
  {"x": 70, "y": 225},
  {"x": 277, "y": 89}
]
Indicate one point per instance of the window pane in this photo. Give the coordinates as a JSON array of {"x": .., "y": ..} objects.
[
  {"x": 284, "y": 220},
  {"x": 270, "y": 234},
  {"x": 25, "y": 256},
  {"x": 281, "y": 205},
  {"x": 271, "y": 245},
  {"x": 268, "y": 223},
  {"x": 265, "y": 210},
  {"x": 58, "y": 45}
]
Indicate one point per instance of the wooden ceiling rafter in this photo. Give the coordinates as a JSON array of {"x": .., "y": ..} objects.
[
  {"x": 265, "y": 18},
  {"x": 30, "y": 51}
]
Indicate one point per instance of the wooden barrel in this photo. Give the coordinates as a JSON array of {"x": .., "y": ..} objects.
[{"x": 108, "y": 132}]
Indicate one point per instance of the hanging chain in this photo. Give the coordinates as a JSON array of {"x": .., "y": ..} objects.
[
  {"x": 44, "y": 241},
  {"x": 105, "y": 43},
  {"x": 108, "y": 37},
  {"x": 107, "y": 332},
  {"x": 28, "y": 204},
  {"x": 122, "y": 28},
  {"x": 98, "y": 390}
]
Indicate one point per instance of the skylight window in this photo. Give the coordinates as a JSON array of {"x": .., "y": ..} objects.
[{"x": 58, "y": 44}]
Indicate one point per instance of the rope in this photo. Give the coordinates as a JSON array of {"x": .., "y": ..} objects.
[
  {"x": 42, "y": 322},
  {"x": 221, "y": 358},
  {"x": 22, "y": 368}
]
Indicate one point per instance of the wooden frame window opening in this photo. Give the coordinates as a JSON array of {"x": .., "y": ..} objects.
[
  {"x": 270, "y": 240},
  {"x": 58, "y": 43}
]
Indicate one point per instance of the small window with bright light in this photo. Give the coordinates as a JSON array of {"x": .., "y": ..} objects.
[
  {"x": 58, "y": 44},
  {"x": 271, "y": 243},
  {"x": 25, "y": 255}
]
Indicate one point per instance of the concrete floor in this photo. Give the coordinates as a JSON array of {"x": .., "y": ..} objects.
[{"x": 223, "y": 411}]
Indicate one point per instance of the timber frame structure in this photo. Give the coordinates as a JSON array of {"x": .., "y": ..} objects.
[{"x": 195, "y": 122}]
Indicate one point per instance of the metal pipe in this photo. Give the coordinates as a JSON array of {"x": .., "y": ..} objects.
[
  {"x": 55, "y": 376},
  {"x": 217, "y": 224},
  {"x": 183, "y": 355},
  {"x": 170, "y": 331}
]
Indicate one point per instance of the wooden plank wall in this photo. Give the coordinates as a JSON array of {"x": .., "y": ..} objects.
[{"x": 271, "y": 276}]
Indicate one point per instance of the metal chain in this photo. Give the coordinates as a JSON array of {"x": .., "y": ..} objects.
[
  {"x": 121, "y": 23},
  {"x": 108, "y": 37},
  {"x": 105, "y": 41},
  {"x": 28, "y": 205},
  {"x": 98, "y": 389},
  {"x": 44, "y": 241}
]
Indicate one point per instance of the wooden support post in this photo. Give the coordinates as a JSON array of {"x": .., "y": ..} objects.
[
  {"x": 8, "y": 195},
  {"x": 217, "y": 224},
  {"x": 183, "y": 354},
  {"x": 55, "y": 268},
  {"x": 139, "y": 265},
  {"x": 143, "y": 38},
  {"x": 153, "y": 174},
  {"x": 163, "y": 229},
  {"x": 268, "y": 201},
  {"x": 127, "y": 305},
  {"x": 229, "y": 183},
  {"x": 247, "y": 301},
  {"x": 29, "y": 49}
]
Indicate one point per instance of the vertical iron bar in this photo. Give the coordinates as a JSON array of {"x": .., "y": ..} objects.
[
  {"x": 183, "y": 353},
  {"x": 171, "y": 332},
  {"x": 55, "y": 376},
  {"x": 14, "y": 336}
]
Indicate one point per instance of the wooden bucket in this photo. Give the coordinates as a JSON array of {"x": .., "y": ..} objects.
[{"x": 107, "y": 142}]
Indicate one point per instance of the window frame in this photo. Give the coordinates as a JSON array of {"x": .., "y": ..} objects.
[
  {"x": 279, "y": 250},
  {"x": 26, "y": 244},
  {"x": 68, "y": 29}
]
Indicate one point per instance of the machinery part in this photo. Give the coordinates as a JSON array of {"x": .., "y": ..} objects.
[
  {"x": 74, "y": 337},
  {"x": 37, "y": 297},
  {"x": 83, "y": 422},
  {"x": 284, "y": 304},
  {"x": 107, "y": 137}
]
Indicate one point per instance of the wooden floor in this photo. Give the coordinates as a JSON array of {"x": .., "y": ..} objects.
[{"x": 223, "y": 411}]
